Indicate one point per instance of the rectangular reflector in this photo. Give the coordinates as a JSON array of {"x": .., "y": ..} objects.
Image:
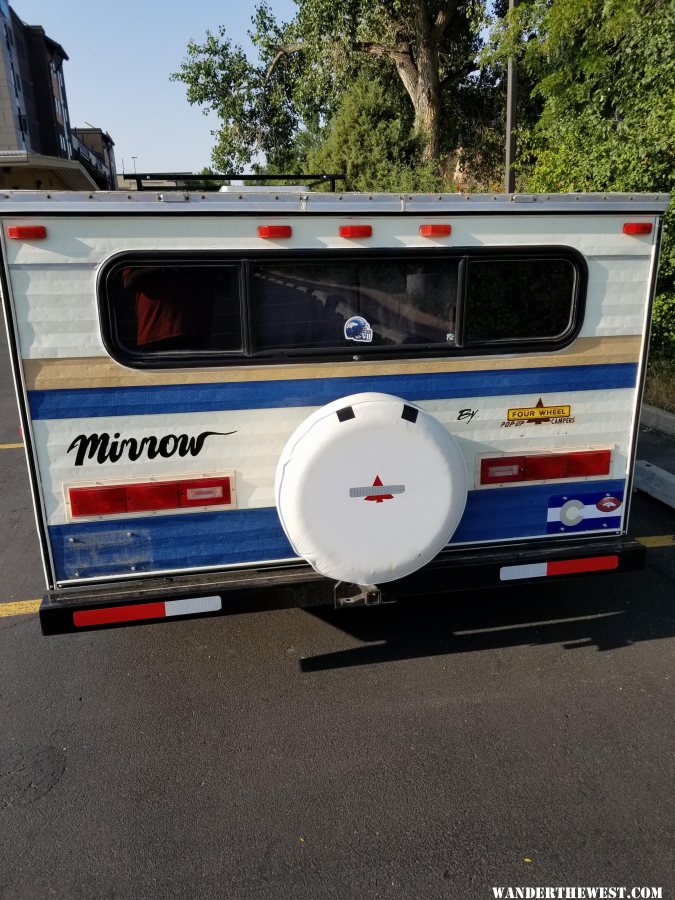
[
  {"x": 593, "y": 564},
  {"x": 26, "y": 232},
  {"x": 637, "y": 228},
  {"x": 110, "y": 615},
  {"x": 275, "y": 231},
  {"x": 435, "y": 230},
  {"x": 148, "y": 496},
  {"x": 355, "y": 231},
  {"x": 545, "y": 466},
  {"x": 137, "y": 612},
  {"x": 559, "y": 567}
]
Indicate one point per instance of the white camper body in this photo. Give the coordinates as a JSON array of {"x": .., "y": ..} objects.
[{"x": 224, "y": 391}]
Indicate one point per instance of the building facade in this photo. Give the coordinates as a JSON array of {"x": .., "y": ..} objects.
[{"x": 38, "y": 147}]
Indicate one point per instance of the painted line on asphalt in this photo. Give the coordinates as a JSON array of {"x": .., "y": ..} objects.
[
  {"x": 658, "y": 540},
  {"x": 19, "y": 608},
  {"x": 10, "y": 446}
]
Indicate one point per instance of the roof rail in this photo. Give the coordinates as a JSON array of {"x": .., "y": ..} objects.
[{"x": 145, "y": 180}]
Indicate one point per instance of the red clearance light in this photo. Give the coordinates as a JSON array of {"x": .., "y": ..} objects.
[
  {"x": 275, "y": 231},
  {"x": 148, "y": 496},
  {"x": 26, "y": 232},
  {"x": 637, "y": 228},
  {"x": 435, "y": 230},
  {"x": 356, "y": 231},
  {"x": 545, "y": 466}
]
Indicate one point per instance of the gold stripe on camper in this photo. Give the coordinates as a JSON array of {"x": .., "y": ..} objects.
[{"x": 102, "y": 372}]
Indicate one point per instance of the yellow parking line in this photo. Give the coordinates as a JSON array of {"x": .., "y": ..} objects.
[
  {"x": 658, "y": 540},
  {"x": 10, "y": 446},
  {"x": 20, "y": 608}
]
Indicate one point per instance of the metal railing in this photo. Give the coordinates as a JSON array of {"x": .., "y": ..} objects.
[{"x": 182, "y": 180}]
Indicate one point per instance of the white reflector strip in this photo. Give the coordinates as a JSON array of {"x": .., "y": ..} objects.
[
  {"x": 533, "y": 570},
  {"x": 193, "y": 606},
  {"x": 204, "y": 493},
  {"x": 503, "y": 471}
]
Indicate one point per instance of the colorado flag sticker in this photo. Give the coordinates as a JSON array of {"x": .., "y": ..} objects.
[{"x": 584, "y": 512}]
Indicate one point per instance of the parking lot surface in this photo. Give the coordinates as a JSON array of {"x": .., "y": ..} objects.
[{"x": 517, "y": 737}]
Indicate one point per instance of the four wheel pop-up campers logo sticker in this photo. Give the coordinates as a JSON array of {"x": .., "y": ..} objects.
[{"x": 538, "y": 414}]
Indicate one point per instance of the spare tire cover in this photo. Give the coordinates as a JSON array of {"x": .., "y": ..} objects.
[{"x": 370, "y": 488}]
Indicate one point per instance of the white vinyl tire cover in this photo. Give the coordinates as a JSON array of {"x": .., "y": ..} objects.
[{"x": 328, "y": 468}]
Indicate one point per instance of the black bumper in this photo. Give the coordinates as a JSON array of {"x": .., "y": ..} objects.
[{"x": 297, "y": 586}]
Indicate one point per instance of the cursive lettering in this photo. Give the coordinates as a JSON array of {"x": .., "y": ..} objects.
[{"x": 101, "y": 448}]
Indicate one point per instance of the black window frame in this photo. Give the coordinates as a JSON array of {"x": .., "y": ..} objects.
[{"x": 220, "y": 358}]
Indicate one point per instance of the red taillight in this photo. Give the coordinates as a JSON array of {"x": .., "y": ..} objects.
[
  {"x": 97, "y": 501},
  {"x": 637, "y": 228},
  {"x": 26, "y": 232},
  {"x": 160, "y": 495},
  {"x": 544, "y": 466},
  {"x": 275, "y": 231},
  {"x": 148, "y": 496},
  {"x": 435, "y": 230},
  {"x": 356, "y": 231}
]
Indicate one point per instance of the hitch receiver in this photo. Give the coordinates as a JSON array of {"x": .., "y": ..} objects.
[{"x": 348, "y": 594}]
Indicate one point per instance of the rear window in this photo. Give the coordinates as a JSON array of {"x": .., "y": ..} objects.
[
  {"x": 518, "y": 299},
  {"x": 330, "y": 304},
  {"x": 190, "y": 309}
]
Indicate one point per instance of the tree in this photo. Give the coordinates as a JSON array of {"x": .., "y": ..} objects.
[
  {"x": 426, "y": 49},
  {"x": 603, "y": 77},
  {"x": 372, "y": 142}
]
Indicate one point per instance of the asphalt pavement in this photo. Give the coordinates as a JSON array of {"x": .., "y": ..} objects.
[{"x": 434, "y": 750}]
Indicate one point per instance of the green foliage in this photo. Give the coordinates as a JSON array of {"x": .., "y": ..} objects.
[
  {"x": 373, "y": 143},
  {"x": 603, "y": 76},
  {"x": 422, "y": 51},
  {"x": 663, "y": 327}
]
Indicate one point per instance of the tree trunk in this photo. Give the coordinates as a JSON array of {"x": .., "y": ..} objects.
[{"x": 427, "y": 101}]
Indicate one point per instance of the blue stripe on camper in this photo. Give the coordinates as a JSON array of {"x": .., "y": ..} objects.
[
  {"x": 119, "y": 547},
  {"x": 81, "y": 403}
]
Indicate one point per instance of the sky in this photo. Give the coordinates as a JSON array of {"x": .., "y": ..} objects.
[{"x": 121, "y": 55}]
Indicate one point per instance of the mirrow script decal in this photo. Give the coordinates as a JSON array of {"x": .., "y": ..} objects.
[{"x": 104, "y": 449}]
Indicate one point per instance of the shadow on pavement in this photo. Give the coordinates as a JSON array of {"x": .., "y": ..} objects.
[{"x": 604, "y": 612}]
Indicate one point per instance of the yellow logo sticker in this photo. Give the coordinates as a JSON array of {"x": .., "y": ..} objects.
[{"x": 539, "y": 413}]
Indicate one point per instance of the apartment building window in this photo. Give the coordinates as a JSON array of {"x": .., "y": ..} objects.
[{"x": 15, "y": 80}]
